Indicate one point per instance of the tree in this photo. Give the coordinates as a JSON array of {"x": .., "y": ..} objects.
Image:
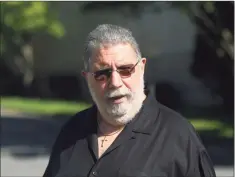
[
  {"x": 214, "y": 54},
  {"x": 19, "y": 21}
]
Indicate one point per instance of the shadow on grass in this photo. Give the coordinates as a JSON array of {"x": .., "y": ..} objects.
[{"x": 34, "y": 136}]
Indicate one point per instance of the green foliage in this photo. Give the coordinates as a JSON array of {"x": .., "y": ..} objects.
[
  {"x": 42, "y": 106},
  {"x": 34, "y": 16},
  {"x": 211, "y": 17}
]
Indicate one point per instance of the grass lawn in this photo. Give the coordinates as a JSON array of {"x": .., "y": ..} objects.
[
  {"x": 50, "y": 107},
  {"x": 41, "y": 106}
]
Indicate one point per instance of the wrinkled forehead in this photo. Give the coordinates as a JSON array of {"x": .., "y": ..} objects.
[{"x": 120, "y": 54}]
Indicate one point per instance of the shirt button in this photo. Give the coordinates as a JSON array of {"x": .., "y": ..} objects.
[{"x": 94, "y": 173}]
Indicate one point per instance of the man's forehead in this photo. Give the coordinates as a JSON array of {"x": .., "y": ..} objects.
[
  {"x": 104, "y": 64},
  {"x": 120, "y": 55}
]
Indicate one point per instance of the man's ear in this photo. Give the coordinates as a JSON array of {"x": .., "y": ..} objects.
[
  {"x": 143, "y": 63},
  {"x": 84, "y": 74}
]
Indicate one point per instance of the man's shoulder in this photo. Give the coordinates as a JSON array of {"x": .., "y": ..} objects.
[
  {"x": 183, "y": 143},
  {"x": 74, "y": 127},
  {"x": 178, "y": 126},
  {"x": 171, "y": 117},
  {"x": 79, "y": 118},
  {"x": 76, "y": 124}
]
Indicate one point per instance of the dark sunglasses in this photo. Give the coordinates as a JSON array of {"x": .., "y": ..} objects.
[{"x": 124, "y": 72}]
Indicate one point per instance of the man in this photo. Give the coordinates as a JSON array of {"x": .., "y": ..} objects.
[{"x": 126, "y": 132}]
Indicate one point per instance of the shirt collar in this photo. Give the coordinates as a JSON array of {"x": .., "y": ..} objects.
[{"x": 145, "y": 119}]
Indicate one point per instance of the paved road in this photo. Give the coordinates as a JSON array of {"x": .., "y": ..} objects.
[{"x": 26, "y": 141}]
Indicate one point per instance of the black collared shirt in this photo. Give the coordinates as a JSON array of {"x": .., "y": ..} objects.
[{"x": 158, "y": 143}]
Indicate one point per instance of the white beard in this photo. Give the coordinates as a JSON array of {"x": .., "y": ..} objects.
[{"x": 121, "y": 113}]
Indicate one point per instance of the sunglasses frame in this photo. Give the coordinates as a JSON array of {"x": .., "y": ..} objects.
[{"x": 109, "y": 71}]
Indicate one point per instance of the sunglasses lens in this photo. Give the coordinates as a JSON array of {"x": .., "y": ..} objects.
[
  {"x": 125, "y": 72},
  {"x": 102, "y": 75}
]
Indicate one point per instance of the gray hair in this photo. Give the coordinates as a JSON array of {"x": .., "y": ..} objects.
[{"x": 108, "y": 34}]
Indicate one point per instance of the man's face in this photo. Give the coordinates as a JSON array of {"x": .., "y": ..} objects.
[{"x": 119, "y": 95}]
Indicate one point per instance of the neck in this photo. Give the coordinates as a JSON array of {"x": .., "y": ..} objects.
[{"x": 107, "y": 127}]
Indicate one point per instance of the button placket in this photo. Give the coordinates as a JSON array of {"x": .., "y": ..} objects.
[{"x": 94, "y": 173}]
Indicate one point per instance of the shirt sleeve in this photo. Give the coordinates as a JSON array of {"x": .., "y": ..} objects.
[
  {"x": 63, "y": 140},
  {"x": 205, "y": 165},
  {"x": 54, "y": 161},
  {"x": 199, "y": 161}
]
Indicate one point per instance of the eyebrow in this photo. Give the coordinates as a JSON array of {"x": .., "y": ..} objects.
[
  {"x": 102, "y": 65},
  {"x": 124, "y": 65}
]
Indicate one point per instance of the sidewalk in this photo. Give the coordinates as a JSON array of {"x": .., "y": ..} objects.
[{"x": 6, "y": 112}]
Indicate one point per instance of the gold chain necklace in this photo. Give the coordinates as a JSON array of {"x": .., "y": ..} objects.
[{"x": 106, "y": 135}]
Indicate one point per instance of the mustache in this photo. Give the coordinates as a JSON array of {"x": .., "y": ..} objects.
[{"x": 116, "y": 93}]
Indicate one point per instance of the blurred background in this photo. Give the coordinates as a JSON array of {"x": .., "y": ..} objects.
[{"x": 190, "y": 68}]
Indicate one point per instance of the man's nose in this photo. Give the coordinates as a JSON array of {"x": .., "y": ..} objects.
[{"x": 115, "y": 80}]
